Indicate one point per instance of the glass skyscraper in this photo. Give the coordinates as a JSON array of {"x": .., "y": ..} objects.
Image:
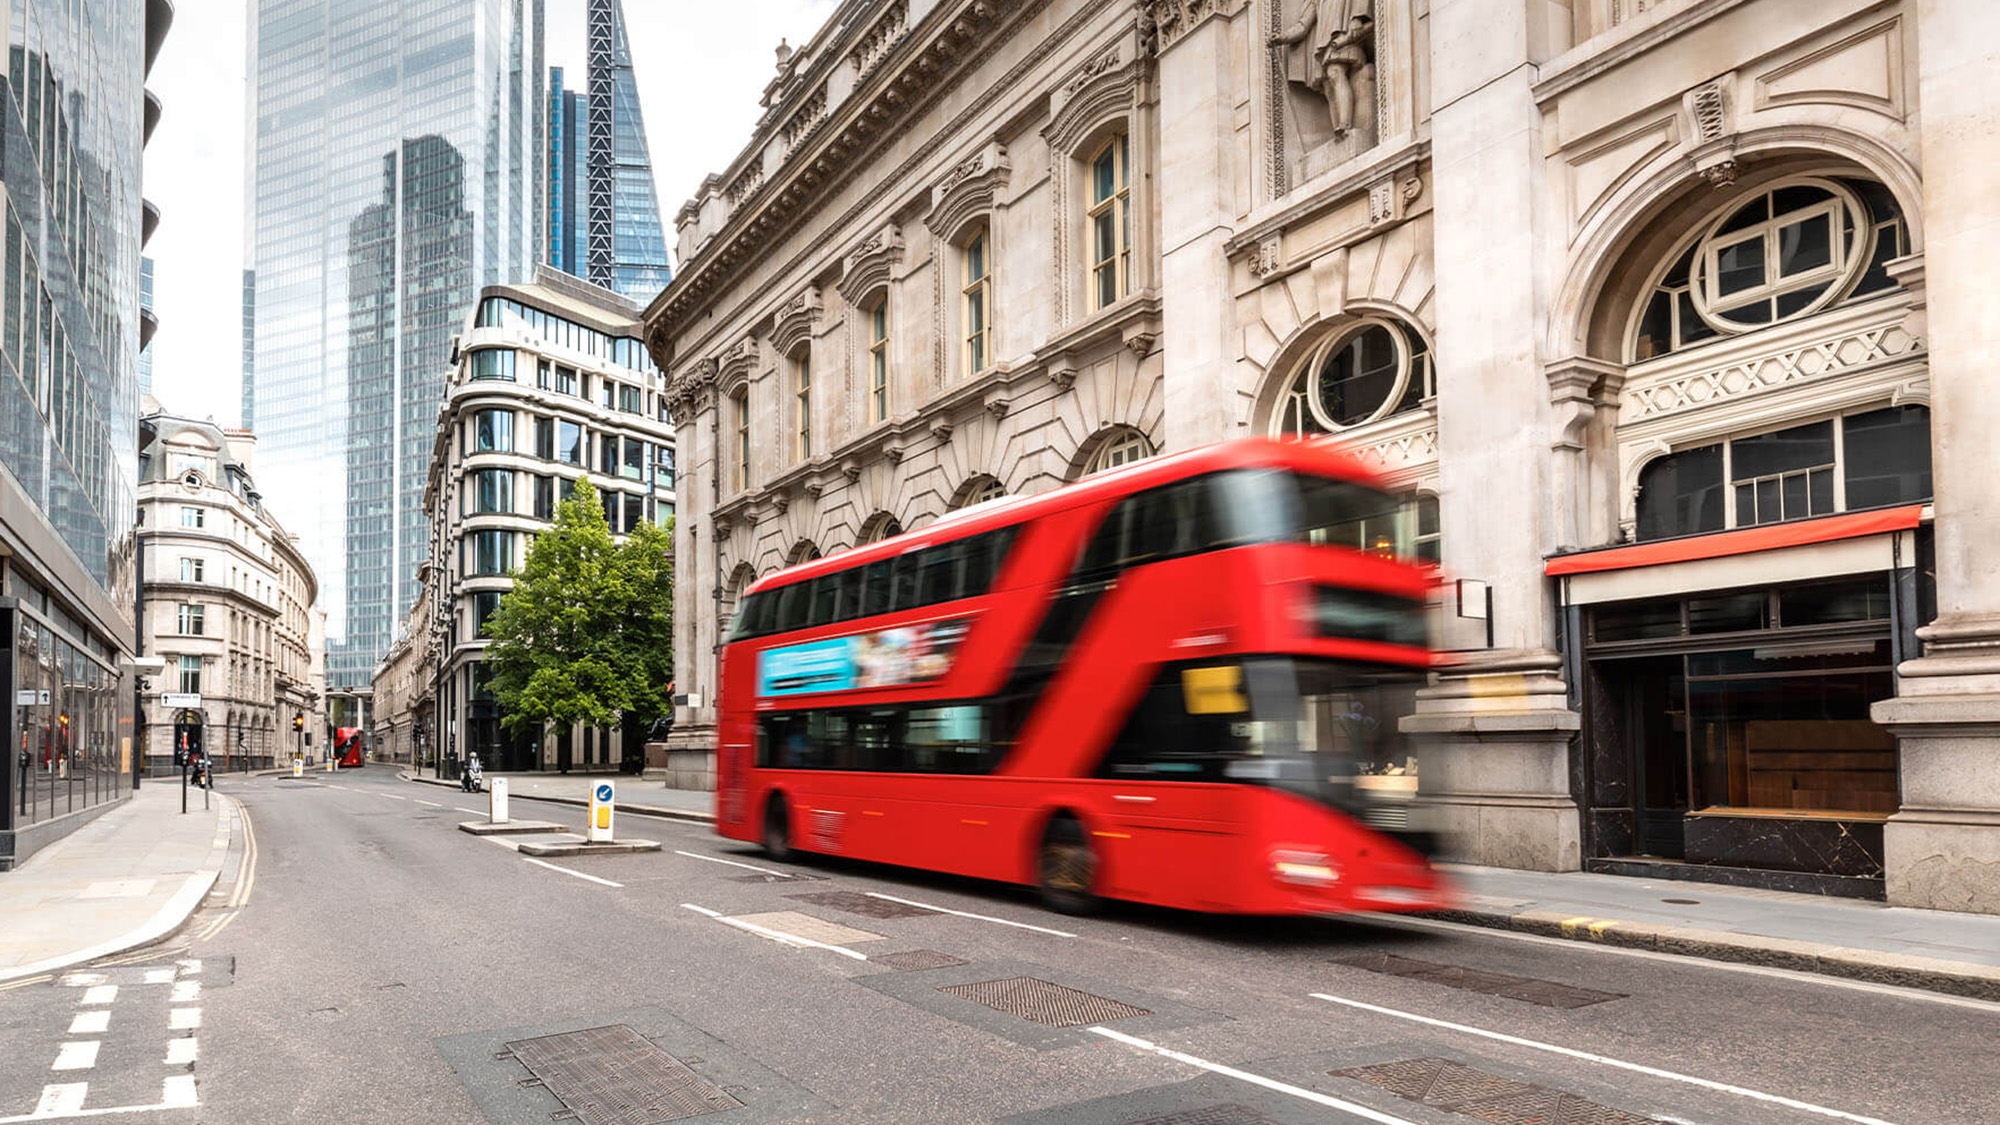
[
  {"x": 395, "y": 170},
  {"x": 72, "y": 127},
  {"x": 604, "y": 212},
  {"x": 145, "y": 326}
]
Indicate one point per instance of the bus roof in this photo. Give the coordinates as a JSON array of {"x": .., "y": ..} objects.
[{"x": 1319, "y": 456}]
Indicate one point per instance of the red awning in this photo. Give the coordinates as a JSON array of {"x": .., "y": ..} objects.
[{"x": 1742, "y": 541}]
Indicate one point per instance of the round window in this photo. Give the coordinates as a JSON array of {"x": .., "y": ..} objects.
[
  {"x": 1787, "y": 251},
  {"x": 1374, "y": 369}
]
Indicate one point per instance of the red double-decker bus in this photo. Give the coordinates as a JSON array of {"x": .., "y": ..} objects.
[{"x": 1177, "y": 682}]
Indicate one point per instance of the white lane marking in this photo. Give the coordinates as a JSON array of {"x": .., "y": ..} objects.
[
  {"x": 569, "y": 871},
  {"x": 180, "y": 1051},
  {"x": 1605, "y": 1060},
  {"x": 775, "y": 935},
  {"x": 432, "y": 804},
  {"x": 391, "y": 796},
  {"x": 963, "y": 914},
  {"x": 82, "y": 980},
  {"x": 183, "y": 1019},
  {"x": 733, "y": 863},
  {"x": 159, "y": 976},
  {"x": 474, "y": 812},
  {"x": 191, "y": 967},
  {"x": 91, "y": 1023},
  {"x": 61, "y": 1097},
  {"x": 185, "y": 992},
  {"x": 1315, "y": 1096},
  {"x": 1406, "y": 922},
  {"x": 77, "y": 1055},
  {"x": 177, "y": 1091},
  {"x": 99, "y": 994},
  {"x": 331, "y": 785}
]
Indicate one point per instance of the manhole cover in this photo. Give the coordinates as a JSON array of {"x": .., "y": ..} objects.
[
  {"x": 1230, "y": 1114},
  {"x": 855, "y": 903},
  {"x": 1547, "y": 993},
  {"x": 615, "y": 1076},
  {"x": 1042, "y": 1002},
  {"x": 1457, "y": 1088},
  {"x": 917, "y": 960}
]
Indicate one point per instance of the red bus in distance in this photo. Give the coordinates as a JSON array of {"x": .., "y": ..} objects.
[{"x": 1172, "y": 683}]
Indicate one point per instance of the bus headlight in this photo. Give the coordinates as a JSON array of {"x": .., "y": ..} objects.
[{"x": 1305, "y": 869}]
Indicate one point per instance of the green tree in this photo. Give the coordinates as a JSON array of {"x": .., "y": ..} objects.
[{"x": 586, "y": 634}]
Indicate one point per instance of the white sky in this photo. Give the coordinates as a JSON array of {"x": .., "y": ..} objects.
[{"x": 701, "y": 66}]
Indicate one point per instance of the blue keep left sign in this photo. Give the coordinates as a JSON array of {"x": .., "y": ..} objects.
[{"x": 604, "y": 791}]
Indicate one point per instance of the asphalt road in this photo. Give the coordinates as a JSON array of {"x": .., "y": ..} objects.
[{"x": 381, "y": 963}]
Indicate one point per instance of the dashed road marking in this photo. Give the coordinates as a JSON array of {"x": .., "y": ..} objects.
[
  {"x": 1300, "y": 1092},
  {"x": 183, "y": 1019},
  {"x": 99, "y": 994},
  {"x": 733, "y": 863},
  {"x": 779, "y": 936},
  {"x": 1605, "y": 1060},
  {"x": 159, "y": 976},
  {"x": 77, "y": 1054},
  {"x": 185, "y": 992},
  {"x": 570, "y": 871},
  {"x": 91, "y": 1023},
  {"x": 61, "y": 1098},
  {"x": 977, "y": 917},
  {"x": 83, "y": 980},
  {"x": 180, "y": 1052},
  {"x": 432, "y": 804}
]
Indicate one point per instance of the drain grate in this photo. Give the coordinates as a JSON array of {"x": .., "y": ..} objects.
[
  {"x": 1457, "y": 1088},
  {"x": 1546, "y": 993},
  {"x": 1229, "y": 1114},
  {"x": 856, "y": 903},
  {"x": 917, "y": 960},
  {"x": 615, "y": 1076},
  {"x": 1042, "y": 1002}
]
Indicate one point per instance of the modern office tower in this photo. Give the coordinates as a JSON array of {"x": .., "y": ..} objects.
[
  {"x": 569, "y": 177},
  {"x": 146, "y": 325},
  {"x": 604, "y": 213},
  {"x": 74, "y": 114},
  {"x": 249, "y": 347},
  {"x": 396, "y": 158}
]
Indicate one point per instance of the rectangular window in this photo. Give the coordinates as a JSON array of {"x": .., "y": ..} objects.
[
  {"x": 484, "y": 604},
  {"x": 545, "y": 498},
  {"x": 194, "y": 517},
  {"x": 743, "y": 439},
  {"x": 635, "y": 510},
  {"x": 802, "y": 417},
  {"x": 610, "y": 502},
  {"x": 1888, "y": 457},
  {"x": 192, "y": 570},
  {"x": 977, "y": 290},
  {"x": 493, "y": 431},
  {"x": 663, "y": 466},
  {"x": 607, "y": 454},
  {"x": 545, "y": 438},
  {"x": 878, "y": 361},
  {"x": 565, "y": 380},
  {"x": 631, "y": 400},
  {"x": 191, "y": 674},
  {"x": 493, "y": 363},
  {"x": 544, "y": 375},
  {"x": 493, "y": 491},
  {"x": 192, "y": 620},
  {"x": 570, "y": 447},
  {"x": 633, "y": 466},
  {"x": 609, "y": 393},
  {"x": 1110, "y": 220},
  {"x": 492, "y": 552},
  {"x": 1783, "y": 475}
]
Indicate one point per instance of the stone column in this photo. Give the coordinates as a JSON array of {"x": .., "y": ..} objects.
[
  {"x": 698, "y": 417},
  {"x": 1194, "y": 191},
  {"x": 1943, "y": 848},
  {"x": 1495, "y": 768}
]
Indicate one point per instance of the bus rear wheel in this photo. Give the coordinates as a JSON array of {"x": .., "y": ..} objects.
[
  {"x": 1066, "y": 868},
  {"x": 778, "y": 829}
]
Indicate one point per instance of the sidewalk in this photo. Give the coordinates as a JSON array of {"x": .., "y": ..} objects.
[
  {"x": 1932, "y": 949},
  {"x": 128, "y": 878},
  {"x": 635, "y": 795}
]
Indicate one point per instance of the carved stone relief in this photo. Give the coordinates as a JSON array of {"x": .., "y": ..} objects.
[{"x": 1327, "y": 58}]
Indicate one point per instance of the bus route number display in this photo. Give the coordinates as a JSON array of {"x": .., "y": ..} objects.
[{"x": 907, "y": 654}]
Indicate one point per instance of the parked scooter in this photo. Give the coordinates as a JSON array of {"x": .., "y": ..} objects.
[{"x": 472, "y": 779}]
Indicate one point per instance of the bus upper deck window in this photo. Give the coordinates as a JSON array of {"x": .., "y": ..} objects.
[{"x": 875, "y": 588}]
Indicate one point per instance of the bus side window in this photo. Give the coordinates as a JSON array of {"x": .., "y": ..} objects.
[
  {"x": 792, "y": 607},
  {"x": 983, "y": 557},
  {"x": 850, "y": 593},
  {"x": 1107, "y": 546},
  {"x": 826, "y": 599},
  {"x": 875, "y": 588},
  {"x": 937, "y": 573},
  {"x": 903, "y": 582},
  {"x": 766, "y": 613}
]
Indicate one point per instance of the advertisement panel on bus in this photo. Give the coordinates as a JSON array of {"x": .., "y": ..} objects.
[{"x": 907, "y": 654}]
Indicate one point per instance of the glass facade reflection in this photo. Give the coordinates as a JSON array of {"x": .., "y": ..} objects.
[
  {"x": 569, "y": 179},
  {"x": 627, "y": 243},
  {"x": 395, "y": 159}
]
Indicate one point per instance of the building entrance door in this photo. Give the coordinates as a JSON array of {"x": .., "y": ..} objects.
[{"x": 1653, "y": 694}]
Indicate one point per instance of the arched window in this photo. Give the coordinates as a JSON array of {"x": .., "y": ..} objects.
[
  {"x": 802, "y": 408},
  {"x": 878, "y": 527},
  {"x": 975, "y": 301},
  {"x": 1787, "y": 251},
  {"x": 878, "y": 359},
  {"x": 978, "y": 490},
  {"x": 1371, "y": 369},
  {"x": 1110, "y": 221},
  {"x": 805, "y": 550},
  {"x": 1121, "y": 446}
]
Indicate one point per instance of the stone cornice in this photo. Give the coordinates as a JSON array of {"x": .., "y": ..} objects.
[
  {"x": 1311, "y": 198},
  {"x": 1172, "y": 20}
]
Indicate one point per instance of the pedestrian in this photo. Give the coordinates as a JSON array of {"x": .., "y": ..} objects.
[{"x": 468, "y": 779}]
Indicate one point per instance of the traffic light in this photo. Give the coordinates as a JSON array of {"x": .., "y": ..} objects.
[{"x": 298, "y": 722}]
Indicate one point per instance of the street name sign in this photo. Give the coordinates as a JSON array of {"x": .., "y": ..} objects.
[{"x": 181, "y": 699}]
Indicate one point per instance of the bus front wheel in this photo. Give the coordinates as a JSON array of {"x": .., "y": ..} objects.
[
  {"x": 778, "y": 829},
  {"x": 1066, "y": 867}
]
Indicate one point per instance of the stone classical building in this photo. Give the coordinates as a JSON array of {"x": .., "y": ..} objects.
[
  {"x": 1638, "y": 299},
  {"x": 228, "y": 602},
  {"x": 405, "y": 686},
  {"x": 550, "y": 386}
]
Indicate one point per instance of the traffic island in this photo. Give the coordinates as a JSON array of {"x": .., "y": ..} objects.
[
  {"x": 512, "y": 827},
  {"x": 555, "y": 848}
]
